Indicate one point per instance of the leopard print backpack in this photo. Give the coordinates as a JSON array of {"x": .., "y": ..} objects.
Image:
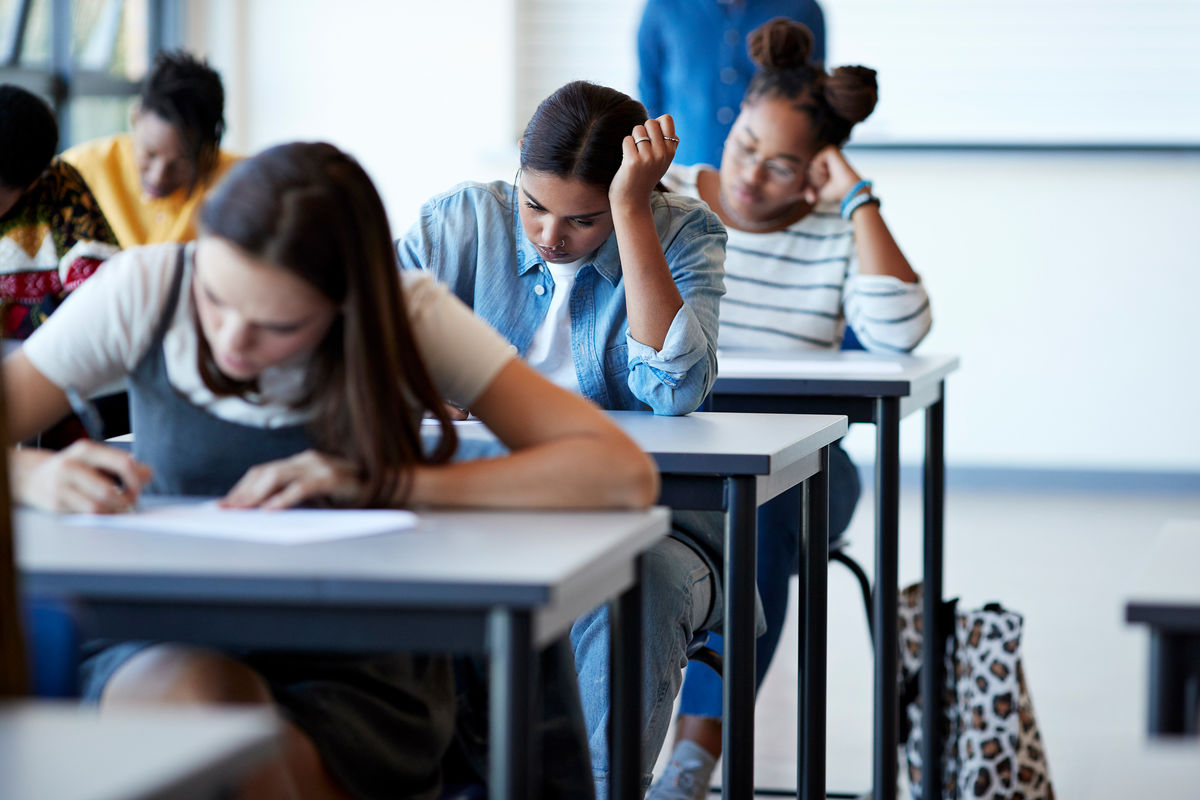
[{"x": 993, "y": 748}]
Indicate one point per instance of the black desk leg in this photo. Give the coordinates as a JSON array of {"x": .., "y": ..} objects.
[
  {"x": 814, "y": 599},
  {"x": 511, "y": 705},
  {"x": 625, "y": 688},
  {"x": 887, "y": 534},
  {"x": 934, "y": 645},
  {"x": 1168, "y": 676},
  {"x": 741, "y": 555}
]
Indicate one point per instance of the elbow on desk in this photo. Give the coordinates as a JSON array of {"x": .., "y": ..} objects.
[{"x": 642, "y": 482}]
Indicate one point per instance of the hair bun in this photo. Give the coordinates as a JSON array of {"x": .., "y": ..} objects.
[
  {"x": 852, "y": 93},
  {"x": 779, "y": 44}
]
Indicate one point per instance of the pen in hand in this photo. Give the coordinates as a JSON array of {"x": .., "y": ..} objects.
[{"x": 93, "y": 424}]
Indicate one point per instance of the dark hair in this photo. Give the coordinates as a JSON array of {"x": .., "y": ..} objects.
[
  {"x": 188, "y": 94},
  {"x": 312, "y": 210},
  {"x": 836, "y": 101},
  {"x": 28, "y": 136},
  {"x": 577, "y": 132},
  {"x": 13, "y": 670}
]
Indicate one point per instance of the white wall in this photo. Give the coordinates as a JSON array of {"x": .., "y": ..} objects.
[
  {"x": 421, "y": 93},
  {"x": 1068, "y": 282}
]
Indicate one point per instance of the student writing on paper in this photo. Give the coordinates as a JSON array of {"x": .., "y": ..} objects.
[
  {"x": 283, "y": 359},
  {"x": 808, "y": 253},
  {"x": 609, "y": 287}
]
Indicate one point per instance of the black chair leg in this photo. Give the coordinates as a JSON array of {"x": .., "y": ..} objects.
[
  {"x": 864, "y": 586},
  {"x": 710, "y": 658}
]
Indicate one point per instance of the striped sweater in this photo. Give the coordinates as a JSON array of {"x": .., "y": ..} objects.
[{"x": 797, "y": 288}]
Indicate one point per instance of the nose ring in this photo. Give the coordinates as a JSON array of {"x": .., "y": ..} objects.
[{"x": 562, "y": 242}]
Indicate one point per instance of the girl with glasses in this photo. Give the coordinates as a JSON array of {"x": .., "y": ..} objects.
[{"x": 809, "y": 256}]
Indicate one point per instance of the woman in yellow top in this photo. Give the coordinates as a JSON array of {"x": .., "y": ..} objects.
[{"x": 150, "y": 182}]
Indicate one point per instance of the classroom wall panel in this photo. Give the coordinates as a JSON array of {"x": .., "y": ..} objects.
[{"x": 1097, "y": 72}]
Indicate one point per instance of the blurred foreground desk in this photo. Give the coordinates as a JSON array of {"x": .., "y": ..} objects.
[
  {"x": 461, "y": 581},
  {"x": 51, "y": 751},
  {"x": 880, "y": 389}
]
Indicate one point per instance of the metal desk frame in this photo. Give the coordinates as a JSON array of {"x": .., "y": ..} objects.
[{"x": 882, "y": 401}]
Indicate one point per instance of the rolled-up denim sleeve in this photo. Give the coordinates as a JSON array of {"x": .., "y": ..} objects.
[{"x": 676, "y": 378}]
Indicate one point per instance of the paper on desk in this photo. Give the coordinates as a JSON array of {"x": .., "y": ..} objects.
[
  {"x": 738, "y": 366},
  {"x": 291, "y": 526}
]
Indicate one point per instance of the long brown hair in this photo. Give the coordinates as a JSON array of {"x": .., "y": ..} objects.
[
  {"x": 836, "y": 101},
  {"x": 310, "y": 209},
  {"x": 12, "y": 646}
]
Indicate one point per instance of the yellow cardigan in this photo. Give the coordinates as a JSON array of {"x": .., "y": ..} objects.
[{"x": 111, "y": 173}]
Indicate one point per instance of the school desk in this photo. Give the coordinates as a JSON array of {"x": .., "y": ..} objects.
[
  {"x": 505, "y": 583},
  {"x": 68, "y": 752},
  {"x": 879, "y": 389},
  {"x": 734, "y": 463},
  {"x": 1166, "y": 598}
]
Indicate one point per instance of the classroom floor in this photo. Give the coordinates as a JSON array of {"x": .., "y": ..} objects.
[{"x": 1064, "y": 561}]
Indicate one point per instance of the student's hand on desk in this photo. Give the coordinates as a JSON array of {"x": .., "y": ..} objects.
[
  {"x": 830, "y": 176},
  {"x": 87, "y": 477},
  {"x": 643, "y": 163},
  {"x": 291, "y": 481}
]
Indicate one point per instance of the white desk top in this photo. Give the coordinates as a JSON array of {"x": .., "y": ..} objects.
[
  {"x": 522, "y": 558},
  {"x": 730, "y": 443},
  {"x": 712, "y": 443},
  {"x": 825, "y": 372},
  {"x": 66, "y": 752}
]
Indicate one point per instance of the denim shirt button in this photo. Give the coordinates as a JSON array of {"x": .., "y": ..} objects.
[{"x": 539, "y": 290}]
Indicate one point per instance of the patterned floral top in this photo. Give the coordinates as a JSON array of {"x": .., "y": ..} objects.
[{"x": 51, "y": 241}]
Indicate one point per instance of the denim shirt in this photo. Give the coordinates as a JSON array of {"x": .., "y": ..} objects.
[{"x": 472, "y": 240}]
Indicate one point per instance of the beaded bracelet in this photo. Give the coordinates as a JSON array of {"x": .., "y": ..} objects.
[
  {"x": 857, "y": 201},
  {"x": 850, "y": 195}
]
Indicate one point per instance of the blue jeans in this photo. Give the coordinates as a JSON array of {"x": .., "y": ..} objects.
[
  {"x": 678, "y": 591},
  {"x": 778, "y": 551}
]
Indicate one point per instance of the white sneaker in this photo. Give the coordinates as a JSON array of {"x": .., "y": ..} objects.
[{"x": 686, "y": 775}]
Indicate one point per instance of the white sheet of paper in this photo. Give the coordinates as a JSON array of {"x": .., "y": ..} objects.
[
  {"x": 737, "y": 366},
  {"x": 291, "y": 526}
]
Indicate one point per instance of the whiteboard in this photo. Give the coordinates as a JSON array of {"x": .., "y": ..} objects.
[{"x": 1024, "y": 72}]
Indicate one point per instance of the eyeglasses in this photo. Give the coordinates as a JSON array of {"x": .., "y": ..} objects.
[{"x": 743, "y": 156}]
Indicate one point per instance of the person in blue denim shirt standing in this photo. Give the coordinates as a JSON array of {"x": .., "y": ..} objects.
[
  {"x": 692, "y": 63},
  {"x": 609, "y": 286}
]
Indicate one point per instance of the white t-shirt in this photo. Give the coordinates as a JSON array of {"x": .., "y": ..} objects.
[
  {"x": 550, "y": 350},
  {"x": 105, "y": 327}
]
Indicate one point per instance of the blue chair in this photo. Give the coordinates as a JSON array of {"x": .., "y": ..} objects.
[{"x": 52, "y": 647}]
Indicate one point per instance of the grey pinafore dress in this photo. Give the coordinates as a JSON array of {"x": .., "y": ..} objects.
[{"x": 380, "y": 722}]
